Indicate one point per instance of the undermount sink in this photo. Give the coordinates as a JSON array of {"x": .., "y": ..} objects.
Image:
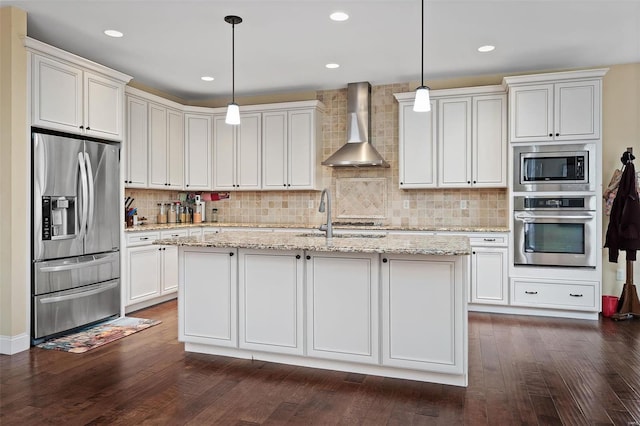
[{"x": 322, "y": 234}]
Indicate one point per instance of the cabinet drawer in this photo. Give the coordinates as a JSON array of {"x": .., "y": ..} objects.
[
  {"x": 580, "y": 295},
  {"x": 141, "y": 238},
  {"x": 174, "y": 233},
  {"x": 488, "y": 240}
]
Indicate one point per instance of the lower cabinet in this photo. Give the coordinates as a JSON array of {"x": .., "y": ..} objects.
[
  {"x": 342, "y": 306},
  {"x": 565, "y": 294},
  {"x": 207, "y": 296},
  {"x": 417, "y": 295},
  {"x": 490, "y": 275},
  {"x": 270, "y": 289}
]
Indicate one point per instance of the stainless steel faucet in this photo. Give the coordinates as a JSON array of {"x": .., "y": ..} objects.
[{"x": 327, "y": 226}]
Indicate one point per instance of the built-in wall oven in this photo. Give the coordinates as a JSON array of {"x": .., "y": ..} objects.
[
  {"x": 555, "y": 230},
  {"x": 549, "y": 168}
]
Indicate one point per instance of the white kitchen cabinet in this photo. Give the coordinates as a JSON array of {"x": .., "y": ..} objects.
[
  {"x": 207, "y": 301},
  {"x": 237, "y": 153},
  {"x": 291, "y": 149},
  {"x": 489, "y": 275},
  {"x": 135, "y": 146},
  {"x": 574, "y": 295},
  {"x": 342, "y": 306},
  {"x": 166, "y": 147},
  {"x": 198, "y": 129},
  {"x": 419, "y": 291},
  {"x": 270, "y": 287},
  {"x": 472, "y": 141},
  {"x": 555, "y": 106},
  {"x": 152, "y": 270},
  {"x": 74, "y": 99},
  {"x": 417, "y": 153}
]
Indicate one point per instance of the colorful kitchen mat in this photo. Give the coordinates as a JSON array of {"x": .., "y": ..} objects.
[{"x": 98, "y": 335}]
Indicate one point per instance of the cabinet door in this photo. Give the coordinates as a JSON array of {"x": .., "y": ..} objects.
[
  {"x": 417, "y": 147},
  {"x": 158, "y": 147},
  {"x": 57, "y": 95},
  {"x": 302, "y": 150},
  {"x": 342, "y": 306},
  {"x": 489, "y": 141},
  {"x": 198, "y": 129},
  {"x": 489, "y": 276},
  {"x": 136, "y": 143},
  {"x": 248, "y": 158},
  {"x": 418, "y": 293},
  {"x": 270, "y": 305},
  {"x": 207, "y": 296},
  {"x": 577, "y": 110},
  {"x": 454, "y": 142},
  {"x": 144, "y": 272},
  {"x": 169, "y": 269},
  {"x": 531, "y": 113},
  {"x": 103, "y": 103},
  {"x": 175, "y": 150},
  {"x": 274, "y": 150},
  {"x": 223, "y": 155}
]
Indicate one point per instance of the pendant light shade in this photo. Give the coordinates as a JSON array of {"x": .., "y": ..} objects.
[
  {"x": 233, "y": 111},
  {"x": 422, "y": 103}
]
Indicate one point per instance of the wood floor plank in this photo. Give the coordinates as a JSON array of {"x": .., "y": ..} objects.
[{"x": 522, "y": 370}]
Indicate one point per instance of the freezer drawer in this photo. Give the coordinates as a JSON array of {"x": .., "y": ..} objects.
[
  {"x": 64, "y": 310},
  {"x": 65, "y": 274}
]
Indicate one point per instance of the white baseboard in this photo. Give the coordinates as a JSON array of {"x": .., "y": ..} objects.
[
  {"x": 10, "y": 345},
  {"x": 517, "y": 310}
]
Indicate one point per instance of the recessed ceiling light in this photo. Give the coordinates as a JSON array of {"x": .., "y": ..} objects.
[
  {"x": 207, "y": 78},
  {"x": 339, "y": 16},
  {"x": 113, "y": 33},
  {"x": 332, "y": 66},
  {"x": 487, "y": 48}
]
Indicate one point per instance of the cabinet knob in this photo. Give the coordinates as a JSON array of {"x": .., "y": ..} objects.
[
  {"x": 231, "y": 254},
  {"x": 187, "y": 185},
  {"x": 401, "y": 183},
  {"x": 385, "y": 260},
  {"x": 88, "y": 128},
  {"x": 81, "y": 127},
  {"x": 475, "y": 181},
  {"x": 469, "y": 182},
  {"x": 297, "y": 256},
  {"x": 308, "y": 257},
  {"x": 473, "y": 252},
  {"x": 557, "y": 134},
  {"x": 550, "y": 134},
  {"x": 288, "y": 184}
]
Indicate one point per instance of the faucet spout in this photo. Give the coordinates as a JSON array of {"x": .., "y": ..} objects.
[{"x": 328, "y": 226}]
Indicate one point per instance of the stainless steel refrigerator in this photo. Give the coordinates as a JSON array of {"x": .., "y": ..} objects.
[{"x": 75, "y": 247}]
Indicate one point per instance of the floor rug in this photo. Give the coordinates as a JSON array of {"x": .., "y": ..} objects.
[{"x": 98, "y": 335}]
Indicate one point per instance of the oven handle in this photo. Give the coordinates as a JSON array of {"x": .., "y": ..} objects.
[
  {"x": 77, "y": 295},
  {"x": 528, "y": 218}
]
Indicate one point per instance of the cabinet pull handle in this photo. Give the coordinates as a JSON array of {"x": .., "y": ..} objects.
[
  {"x": 144, "y": 238},
  {"x": 297, "y": 256},
  {"x": 489, "y": 239},
  {"x": 308, "y": 257},
  {"x": 385, "y": 260},
  {"x": 530, "y": 292},
  {"x": 575, "y": 295}
]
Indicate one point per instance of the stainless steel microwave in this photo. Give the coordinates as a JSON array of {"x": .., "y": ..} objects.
[{"x": 543, "y": 168}]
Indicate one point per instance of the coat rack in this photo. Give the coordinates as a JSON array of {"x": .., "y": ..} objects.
[{"x": 628, "y": 305}]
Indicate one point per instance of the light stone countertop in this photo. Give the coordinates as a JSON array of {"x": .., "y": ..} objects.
[
  {"x": 347, "y": 243},
  {"x": 168, "y": 226}
]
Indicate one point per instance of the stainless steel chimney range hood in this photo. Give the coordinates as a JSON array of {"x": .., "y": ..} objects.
[{"x": 358, "y": 151}]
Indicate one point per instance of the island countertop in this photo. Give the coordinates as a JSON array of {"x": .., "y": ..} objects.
[{"x": 341, "y": 242}]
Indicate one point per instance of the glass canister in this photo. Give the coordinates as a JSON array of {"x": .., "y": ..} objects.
[
  {"x": 214, "y": 215},
  {"x": 197, "y": 213},
  {"x": 183, "y": 214},
  {"x": 162, "y": 214},
  {"x": 172, "y": 215}
]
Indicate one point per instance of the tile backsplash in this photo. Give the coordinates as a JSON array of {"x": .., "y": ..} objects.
[{"x": 363, "y": 194}]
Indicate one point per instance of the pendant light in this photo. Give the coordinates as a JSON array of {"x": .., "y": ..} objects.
[
  {"x": 233, "y": 111},
  {"x": 422, "y": 103}
]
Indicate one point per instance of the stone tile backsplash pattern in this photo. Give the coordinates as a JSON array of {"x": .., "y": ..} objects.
[{"x": 429, "y": 207}]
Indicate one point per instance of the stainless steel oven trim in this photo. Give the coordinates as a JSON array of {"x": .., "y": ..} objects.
[{"x": 528, "y": 151}]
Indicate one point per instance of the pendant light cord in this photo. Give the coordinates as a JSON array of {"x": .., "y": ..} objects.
[
  {"x": 233, "y": 63},
  {"x": 422, "y": 45}
]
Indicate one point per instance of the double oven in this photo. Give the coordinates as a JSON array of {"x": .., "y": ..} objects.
[{"x": 555, "y": 205}]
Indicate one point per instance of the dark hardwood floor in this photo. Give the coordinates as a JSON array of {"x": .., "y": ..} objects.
[{"x": 522, "y": 371}]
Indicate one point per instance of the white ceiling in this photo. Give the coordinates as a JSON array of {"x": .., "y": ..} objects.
[{"x": 282, "y": 46}]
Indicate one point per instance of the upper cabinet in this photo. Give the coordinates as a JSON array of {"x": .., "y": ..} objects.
[
  {"x": 236, "y": 153},
  {"x": 166, "y": 147},
  {"x": 74, "y": 95},
  {"x": 555, "y": 106},
  {"x": 135, "y": 148},
  {"x": 460, "y": 143},
  {"x": 198, "y": 130},
  {"x": 291, "y": 147}
]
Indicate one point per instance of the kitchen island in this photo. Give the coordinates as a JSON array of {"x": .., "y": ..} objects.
[{"x": 388, "y": 305}]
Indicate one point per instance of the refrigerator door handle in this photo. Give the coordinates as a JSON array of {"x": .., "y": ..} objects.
[
  {"x": 97, "y": 260},
  {"x": 92, "y": 200},
  {"x": 85, "y": 195},
  {"x": 103, "y": 288}
]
